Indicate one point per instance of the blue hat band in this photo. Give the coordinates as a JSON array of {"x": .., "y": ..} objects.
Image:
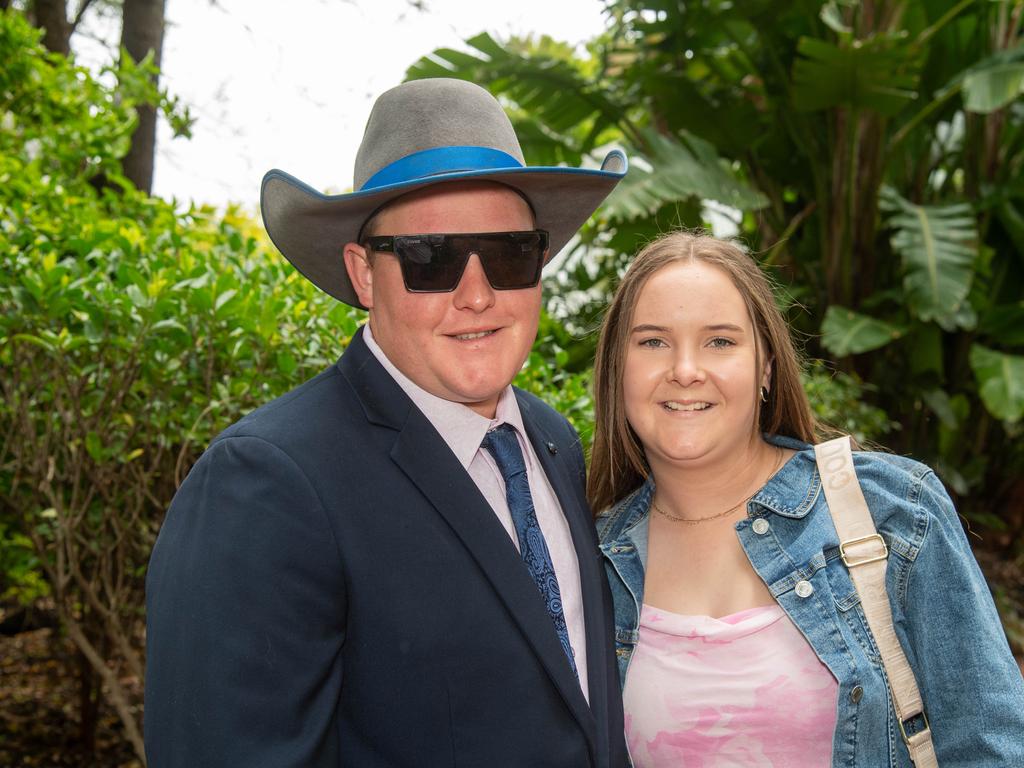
[{"x": 431, "y": 162}]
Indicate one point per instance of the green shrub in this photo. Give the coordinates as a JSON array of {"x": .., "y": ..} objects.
[{"x": 130, "y": 334}]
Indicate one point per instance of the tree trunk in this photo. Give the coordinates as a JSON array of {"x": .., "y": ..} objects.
[
  {"x": 88, "y": 704},
  {"x": 142, "y": 31},
  {"x": 52, "y": 17}
]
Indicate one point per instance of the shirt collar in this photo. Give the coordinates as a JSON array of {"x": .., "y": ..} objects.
[{"x": 462, "y": 428}]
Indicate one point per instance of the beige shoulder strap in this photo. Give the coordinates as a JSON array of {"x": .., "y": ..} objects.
[{"x": 865, "y": 554}]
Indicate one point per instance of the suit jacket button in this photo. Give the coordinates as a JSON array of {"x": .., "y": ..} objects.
[{"x": 552, "y": 448}]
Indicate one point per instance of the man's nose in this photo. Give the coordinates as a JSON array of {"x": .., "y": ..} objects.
[{"x": 474, "y": 291}]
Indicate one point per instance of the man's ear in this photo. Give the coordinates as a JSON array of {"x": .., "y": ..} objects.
[{"x": 357, "y": 263}]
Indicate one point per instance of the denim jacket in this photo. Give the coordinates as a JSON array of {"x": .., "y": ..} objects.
[{"x": 942, "y": 609}]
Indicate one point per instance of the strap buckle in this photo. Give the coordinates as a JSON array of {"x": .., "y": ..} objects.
[
  {"x": 918, "y": 735},
  {"x": 851, "y": 562}
]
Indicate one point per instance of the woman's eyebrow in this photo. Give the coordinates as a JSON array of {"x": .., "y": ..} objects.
[
  {"x": 651, "y": 328},
  {"x": 648, "y": 328}
]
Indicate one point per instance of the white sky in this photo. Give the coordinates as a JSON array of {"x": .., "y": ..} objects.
[{"x": 290, "y": 84}]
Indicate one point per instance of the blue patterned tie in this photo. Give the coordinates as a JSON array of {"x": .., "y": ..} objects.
[{"x": 503, "y": 445}]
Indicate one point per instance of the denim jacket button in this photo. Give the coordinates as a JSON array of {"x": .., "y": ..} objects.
[
  {"x": 804, "y": 589},
  {"x": 856, "y": 694},
  {"x": 760, "y": 526}
]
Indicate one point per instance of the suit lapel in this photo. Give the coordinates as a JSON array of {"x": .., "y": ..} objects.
[{"x": 424, "y": 457}]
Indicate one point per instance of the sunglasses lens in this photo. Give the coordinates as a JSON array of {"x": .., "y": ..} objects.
[
  {"x": 429, "y": 263},
  {"x": 511, "y": 260},
  {"x": 435, "y": 263}
]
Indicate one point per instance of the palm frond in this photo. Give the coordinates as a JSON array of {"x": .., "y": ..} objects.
[
  {"x": 679, "y": 169},
  {"x": 558, "y": 98}
]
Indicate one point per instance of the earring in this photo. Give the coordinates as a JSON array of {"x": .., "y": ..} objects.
[{"x": 764, "y": 394}]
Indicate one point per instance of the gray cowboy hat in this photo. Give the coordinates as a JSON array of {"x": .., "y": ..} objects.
[{"x": 420, "y": 133}]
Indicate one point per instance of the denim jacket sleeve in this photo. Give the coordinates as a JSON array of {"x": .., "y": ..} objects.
[{"x": 972, "y": 687}]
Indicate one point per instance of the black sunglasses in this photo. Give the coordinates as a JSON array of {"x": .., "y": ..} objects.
[{"x": 434, "y": 263}]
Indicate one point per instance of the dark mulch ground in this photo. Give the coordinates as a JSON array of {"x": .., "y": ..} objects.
[{"x": 38, "y": 714}]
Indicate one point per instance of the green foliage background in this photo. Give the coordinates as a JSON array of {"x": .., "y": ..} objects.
[
  {"x": 873, "y": 165},
  {"x": 869, "y": 154}
]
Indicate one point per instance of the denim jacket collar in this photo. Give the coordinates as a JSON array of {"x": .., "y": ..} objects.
[
  {"x": 624, "y": 515},
  {"x": 788, "y": 493}
]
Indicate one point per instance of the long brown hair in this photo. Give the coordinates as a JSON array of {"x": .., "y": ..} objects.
[{"x": 617, "y": 463}]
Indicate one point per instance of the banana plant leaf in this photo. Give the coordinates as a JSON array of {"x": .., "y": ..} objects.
[
  {"x": 845, "y": 332},
  {"x": 1000, "y": 380},
  {"x": 994, "y": 82},
  {"x": 1005, "y": 323},
  {"x": 679, "y": 169},
  {"x": 942, "y": 406},
  {"x": 879, "y": 74},
  {"x": 939, "y": 246}
]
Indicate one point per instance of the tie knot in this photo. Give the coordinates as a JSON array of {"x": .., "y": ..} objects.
[{"x": 502, "y": 443}]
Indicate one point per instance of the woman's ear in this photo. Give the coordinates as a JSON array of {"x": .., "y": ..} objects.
[
  {"x": 360, "y": 272},
  {"x": 766, "y": 377}
]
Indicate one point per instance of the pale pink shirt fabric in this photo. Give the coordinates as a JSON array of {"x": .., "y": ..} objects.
[
  {"x": 463, "y": 429},
  {"x": 743, "y": 690}
]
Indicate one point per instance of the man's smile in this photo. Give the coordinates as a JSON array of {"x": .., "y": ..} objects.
[{"x": 474, "y": 335}]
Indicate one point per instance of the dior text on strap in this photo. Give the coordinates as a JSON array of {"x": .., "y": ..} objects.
[{"x": 865, "y": 554}]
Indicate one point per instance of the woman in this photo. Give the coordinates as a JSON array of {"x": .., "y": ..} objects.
[{"x": 739, "y": 633}]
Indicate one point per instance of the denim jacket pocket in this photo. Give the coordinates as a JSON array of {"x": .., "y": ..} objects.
[{"x": 847, "y": 602}]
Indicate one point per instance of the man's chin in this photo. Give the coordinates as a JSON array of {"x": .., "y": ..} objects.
[{"x": 483, "y": 400}]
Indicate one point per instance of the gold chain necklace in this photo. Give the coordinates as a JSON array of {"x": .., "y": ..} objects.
[{"x": 733, "y": 508}]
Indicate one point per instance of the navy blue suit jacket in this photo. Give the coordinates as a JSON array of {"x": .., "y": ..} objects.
[{"x": 331, "y": 589}]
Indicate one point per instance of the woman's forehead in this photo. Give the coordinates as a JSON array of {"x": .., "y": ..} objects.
[{"x": 693, "y": 290}]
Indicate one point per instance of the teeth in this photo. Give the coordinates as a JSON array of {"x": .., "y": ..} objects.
[
  {"x": 687, "y": 407},
  {"x": 471, "y": 336}
]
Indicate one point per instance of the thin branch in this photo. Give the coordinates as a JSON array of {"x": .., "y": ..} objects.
[
  {"x": 178, "y": 477},
  {"x": 947, "y": 17},
  {"x": 114, "y": 688},
  {"x": 791, "y": 228},
  {"x": 109, "y": 617},
  {"x": 916, "y": 120}
]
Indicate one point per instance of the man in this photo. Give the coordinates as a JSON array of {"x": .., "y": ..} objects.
[{"x": 360, "y": 572}]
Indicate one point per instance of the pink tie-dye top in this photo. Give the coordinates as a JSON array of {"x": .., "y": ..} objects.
[{"x": 743, "y": 690}]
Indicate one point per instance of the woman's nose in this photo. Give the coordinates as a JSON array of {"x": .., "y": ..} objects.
[{"x": 686, "y": 367}]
